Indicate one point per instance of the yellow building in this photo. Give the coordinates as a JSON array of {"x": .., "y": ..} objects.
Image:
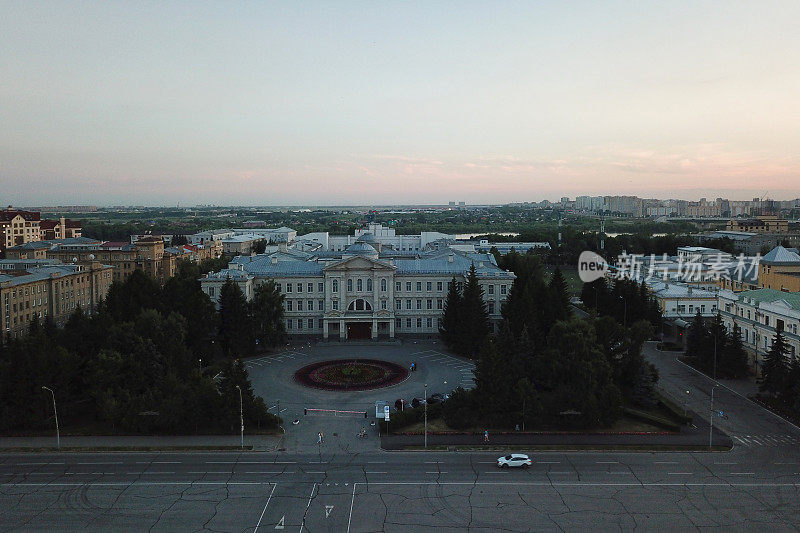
[
  {"x": 759, "y": 224},
  {"x": 53, "y": 291},
  {"x": 780, "y": 270},
  {"x": 18, "y": 227}
]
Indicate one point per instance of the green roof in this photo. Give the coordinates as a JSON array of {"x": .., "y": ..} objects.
[{"x": 772, "y": 295}]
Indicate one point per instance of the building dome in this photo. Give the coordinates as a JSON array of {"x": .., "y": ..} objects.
[{"x": 367, "y": 237}]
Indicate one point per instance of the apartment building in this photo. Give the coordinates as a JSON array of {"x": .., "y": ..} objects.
[
  {"x": 780, "y": 270},
  {"x": 63, "y": 228},
  {"x": 53, "y": 291},
  {"x": 18, "y": 227}
]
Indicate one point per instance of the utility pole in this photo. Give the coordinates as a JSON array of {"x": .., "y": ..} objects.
[
  {"x": 711, "y": 419},
  {"x": 55, "y": 412},
  {"x": 241, "y": 416},
  {"x": 426, "y": 416}
]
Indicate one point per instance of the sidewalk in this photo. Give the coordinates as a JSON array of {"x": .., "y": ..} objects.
[{"x": 141, "y": 443}]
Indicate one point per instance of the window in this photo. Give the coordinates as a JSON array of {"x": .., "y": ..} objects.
[
  {"x": 491, "y": 289},
  {"x": 310, "y": 287},
  {"x": 383, "y": 285},
  {"x": 335, "y": 305},
  {"x": 299, "y": 323},
  {"x": 359, "y": 305},
  {"x": 398, "y": 304},
  {"x": 429, "y": 304},
  {"x": 408, "y": 304},
  {"x": 310, "y": 323},
  {"x": 439, "y": 323},
  {"x": 702, "y": 309},
  {"x": 419, "y": 286},
  {"x": 429, "y": 322},
  {"x": 691, "y": 308},
  {"x": 408, "y": 323},
  {"x": 439, "y": 286},
  {"x": 429, "y": 286},
  {"x": 289, "y": 304},
  {"x": 289, "y": 324},
  {"x": 419, "y": 323},
  {"x": 288, "y": 287},
  {"x": 359, "y": 285},
  {"x": 211, "y": 291},
  {"x": 439, "y": 304},
  {"x": 299, "y": 287},
  {"x": 419, "y": 303},
  {"x": 503, "y": 289},
  {"x": 335, "y": 285},
  {"x": 349, "y": 285},
  {"x": 408, "y": 286},
  {"x": 320, "y": 287},
  {"x": 398, "y": 323},
  {"x": 369, "y": 285},
  {"x": 320, "y": 323},
  {"x": 491, "y": 307},
  {"x": 299, "y": 305},
  {"x": 397, "y": 286},
  {"x": 320, "y": 305},
  {"x": 383, "y": 304}
]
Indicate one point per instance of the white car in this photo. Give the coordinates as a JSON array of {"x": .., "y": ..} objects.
[{"x": 514, "y": 459}]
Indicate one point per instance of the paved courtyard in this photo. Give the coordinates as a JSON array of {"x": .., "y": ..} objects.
[{"x": 272, "y": 377}]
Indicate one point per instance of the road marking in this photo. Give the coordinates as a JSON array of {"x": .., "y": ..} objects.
[
  {"x": 218, "y": 472},
  {"x": 158, "y": 462},
  {"x": 315, "y": 472},
  {"x": 679, "y": 473},
  {"x": 435, "y": 472},
  {"x": 431, "y": 462},
  {"x": 560, "y": 472},
  {"x": 276, "y": 473},
  {"x": 620, "y": 472},
  {"x": 38, "y": 464},
  {"x": 548, "y": 462},
  {"x": 376, "y": 472},
  {"x": 352, "y": 500},
  {"x": 376, "y": 462},
  {"x": 260, "y": 518},
  {"x": 743, "y": 473},
  {"x": 722, "y": 463},
  {"x": 788, "y": 463},
  {"x": 112, "y": 463},
  {"x": 495, "y": 472},
  {"x": 666, "y": 462},
  {"x": 303, "y": 523},
  {"x": 607, "y": 462}
]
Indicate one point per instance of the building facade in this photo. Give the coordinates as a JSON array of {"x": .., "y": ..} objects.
[
  {"x": 50, "y": 291},
  {"x": 760, "y": 314},
  {"x": 362, "y": 293},
  {"x": 18, "y": 227},
  {"x": 780, "y": 270}
]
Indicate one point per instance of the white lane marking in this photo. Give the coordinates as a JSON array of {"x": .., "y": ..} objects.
[
  {"x": 551, "y": 472},
  {"x": 251, "y": 462},
  {"x": 315, "y": 472},
  {"x": 260, "y": 518},
  {"x": 666, "y": 462},
  {"x": 352, "y": 500},
  {"x": 303, "y": 523},
  {"x": 431, "y": 462},
  {"x": 607, "y": 462},
  {"x": 158, "y": 462},
  {"x": 38, "y": 464},
  {"x": 216, "y": 472},
  {"x": 743, "y": 473},
  {"x": 496, "y": 472},
  {"x": 377, "y": 472},
  {"x": 548, "y": 462},
  {"x": 111, "y": 463},
  {"x": 620, "y": 472},
  {"x": 724, "y": 463},
  {"x": 273, "y": 473},
  {"x": 376, "y": 462},
  {"x": 787, "y": 463},
  {"x": 737, "y": 438},
  {"x": 435, "y": 472},
  {"x": 679, "y": 473}
]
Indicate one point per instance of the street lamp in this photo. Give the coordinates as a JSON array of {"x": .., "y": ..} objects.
[
  {"x": 711, "y": 419},
  {"x": 685, "y": 403},
  {"x": 241, "y": 414},
  {"x": 200, "y": 362},
  {"x": 55, "y": 412},
  {"x": 425, "y": 409}
]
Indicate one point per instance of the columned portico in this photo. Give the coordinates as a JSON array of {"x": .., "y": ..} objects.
[{"x": 374, "y": 328}]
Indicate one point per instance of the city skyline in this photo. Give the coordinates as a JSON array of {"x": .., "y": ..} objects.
[{"x": 358, "y": 104}]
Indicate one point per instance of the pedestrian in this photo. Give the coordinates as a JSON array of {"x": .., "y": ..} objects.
[
  {"x": 319, "y": 438},
  {"x": 486, "y": 436}
]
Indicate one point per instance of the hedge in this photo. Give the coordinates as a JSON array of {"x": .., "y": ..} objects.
[{"x": 409, "y": 416}]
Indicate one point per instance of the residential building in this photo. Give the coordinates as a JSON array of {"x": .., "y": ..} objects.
[
  {"x": 759, "y": 224},
  {"x": 241, "y": 244},
  {"x": 367, "y": 291},
  {"x": 63, "y": 228},
  {"x": 53, "y": 291},
  {"x": 18, "y": 227},
  {"x": 780, "y": 270},
  {"x": 760, "y": 314}
]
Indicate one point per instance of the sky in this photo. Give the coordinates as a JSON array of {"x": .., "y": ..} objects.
[{"x": 344, "y": 102}]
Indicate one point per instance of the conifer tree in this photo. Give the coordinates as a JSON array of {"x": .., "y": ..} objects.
[
  {"x": 775, "y": 367},
  {"x": 474, "y": 316},
  {"x": 451, "y": 319},
  {"x": 735, "y": 362},
  {"x": 267, "y": 314},
  {"x": 559, "y": 296},
  {"x": 235, "y": 333}
]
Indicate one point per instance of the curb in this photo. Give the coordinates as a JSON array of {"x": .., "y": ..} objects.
[{"x": 81, "y": 449}]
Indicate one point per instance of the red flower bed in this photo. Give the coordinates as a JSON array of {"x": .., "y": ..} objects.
[{"x": 351, "y": 374}]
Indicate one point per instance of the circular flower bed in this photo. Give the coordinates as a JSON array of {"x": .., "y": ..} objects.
[{"x": 351, "y": 374}]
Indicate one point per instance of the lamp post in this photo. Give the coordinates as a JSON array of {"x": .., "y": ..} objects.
[
  {"x": 685, "y": 403},
  {"x": 425, "y": 409},
  {"x": 55, "y": 412},
  {"x": 711, "y": 418},
  {"x": 200, "y": 362},
  {"x": 241, "y": 415}
]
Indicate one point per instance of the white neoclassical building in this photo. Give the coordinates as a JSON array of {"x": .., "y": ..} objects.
[{"x": 367, "y": 291}]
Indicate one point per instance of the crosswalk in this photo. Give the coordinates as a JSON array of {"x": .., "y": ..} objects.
[{"x": 765, "y": 440}]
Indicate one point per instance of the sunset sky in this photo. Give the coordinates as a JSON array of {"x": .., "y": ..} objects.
[{"x": 337, "y": 102}]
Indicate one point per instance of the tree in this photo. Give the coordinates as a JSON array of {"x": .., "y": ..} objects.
[
  {"x": 559, "y": 297},
  {"x": 474, "y": 317},
  {"x": 259, "y": 246},
  {"x": 266, "y": 311},
  {"x": 775, "y": 369},
  {"x": 451, "y": 319},
  {"x": 179, "y": 240},
  {"x": 235, "y": 333},
  {"x": 734, "y": 357},
  {"x": 697, "y": 337}
]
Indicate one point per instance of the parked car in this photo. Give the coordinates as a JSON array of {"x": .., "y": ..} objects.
[
  {"x": 436, "y": 398},
  {"x": 514, "y": 459},
  {"x": 416, "y": 402}
]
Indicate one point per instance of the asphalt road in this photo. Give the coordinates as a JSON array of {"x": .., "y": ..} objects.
[{"x": 348, "y": 484}]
